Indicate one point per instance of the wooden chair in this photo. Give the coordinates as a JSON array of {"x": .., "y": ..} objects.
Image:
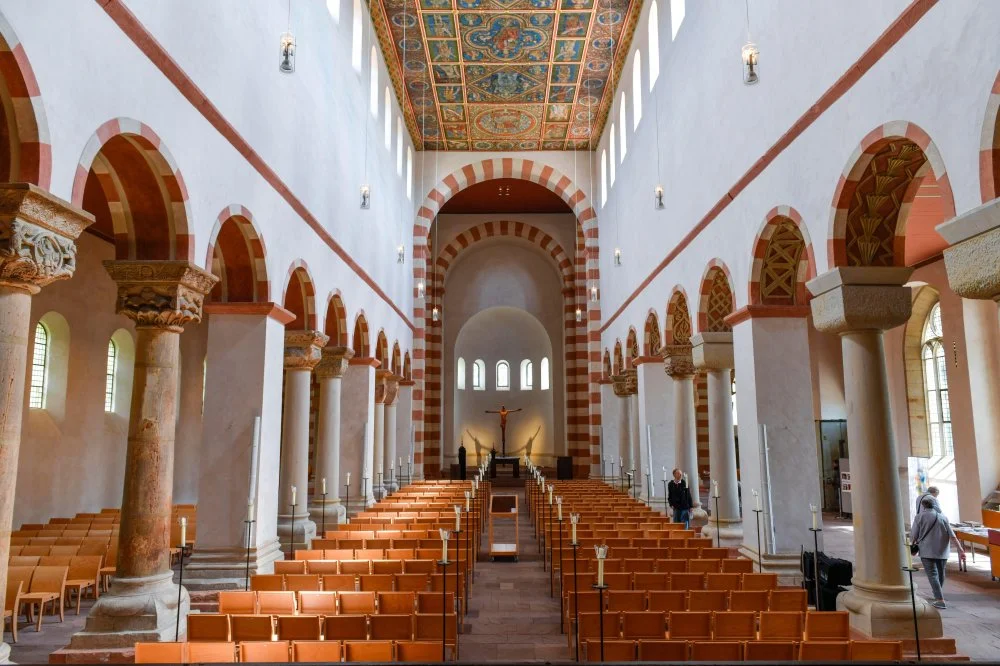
[
  {"x": 345, "y": 627},
  {"x": 251, "y": 628},
  {"x": 355, "y": 567},
  {"x": 876, "y": 651},
  {"x": 368, "y": 651},
  {"x": 290, "y": 567},
  {"x": 626, "y": 600},
  {"x": 737, "y": 565},
  {"x": 700, "y": 542},
  {"x": 689, "y": 625},
  {"x": 650, "y": 581},
  {"x": 110, "y": 565},
  {"x": 299, "y": 627},
  {"x": 418, "y": 651},
  {"x": 356, "y": 603},
  {"x": 237, "y": 602},
  {"x": 708, "y": 600},
  {"x": 419, "y": 566},
  {"x": 788, "y": 600},
  {"x": 427, "y": 627},
  {"x": 48, "y": 585},
  {"x": 614, "y": 650},
  {"x": 825, "y": 651},
  {"x": 640, "y": 565},
  {"x": 685, "y": 553},
  {"x": 716, "y": 651},
  {"x": 34, "y": 550},
  {"x": 302, "y": 582},
  {"x": 412, "y": 582},
  {"x": 84, "y": 574},
  {"x": 161, "y": 653},
  {"x": 340, "y": 583},
  {"x": 23, "y": 560},
  {"x": 208, "y": 627},
  {"x": 663, "y": 650},
  {"x": 376, "y": 583},
  {"x": 705, "y": 566},
  {"x": 384, "y": 567},
  {"x": 369, "y": 554},
  {"x": 748, "y": 600},
  {"x": 827, "y": 626},
  {"x": 276, "y": 603},
  {"x": 267, "y": 582},
  {"x": 391, "y": 627},
  {"x": 12, "y": 605},
  {"x": 687, "y": 581},
  {"x": 590, "y": 626},
  {"x": 645, "y": 624},
  {"x": 318, "y": 603},
  {"x": 723, "y": 581},
  {"x": 337, "y": 554},
  {"x": 735, "y": 625},
  {"x": 781, "y": 626},
  {"x": 671, "y": 566},
  {"x": 713, "y": 553},
  {"x": 322, "y": 567},
  {"x": 316, "y": 651},
  {"x": 589, "y": 602},
  {"x": 396, "y": 603},
  {"x": 431, "y": 602},
  {"x": 62, "y": 550},
  {"x": 670, "y": 600},
  {"x": 771, "y": 651},
  {"x": 760, "y": 581},
  {"x": 264, "y": 652}
]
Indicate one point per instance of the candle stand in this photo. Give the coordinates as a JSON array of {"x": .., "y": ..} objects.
[
  {"x": 718, "y": 526},
  {"x": 409, "y": 472},
  {"x": 562, "y": 608},
  {"x": 444, "y": 610},
  {"x": 180, "y": 590},
  {"x": 634, "y": 483},
  {"x": 576, "y": 605},
  {"x": 468, "y": 561},
  {"x": 291, "y": 535},
  {"x": 552, "y": 565},
  {"x": 364, "y": 491},
  {"x": 913, "y": 601},
  {"x": 347, "y": 503},
  {"x": 612, "y": 477},
  {"x": 816, "y": 531},
  {"x": 458, "y": 573},
  {"x": 323, "y": 514},
  {"x": 666, "y": 505},
  {"x": 760, "y": 564},
  {"x": 379, "y": 490},
  {"x": 600, "y": 607},
  {"x": 249, "y": 523}
]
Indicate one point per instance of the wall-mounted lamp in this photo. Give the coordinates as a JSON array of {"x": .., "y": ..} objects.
[
  {"x": 593, "y": 293},
  {"x": 751, "y": 55},
  {"x": 401, "y": 254},
  {"x": 658, "y": 198},
  {"x": 286, "y": 53},
  {"x": 366, "y": 197},
  {"x": 618, "y": 256},
  {"x": 579, "y": 315},
  {"x": 434, "y": 314},
  {"x": 421, "y": 289}
]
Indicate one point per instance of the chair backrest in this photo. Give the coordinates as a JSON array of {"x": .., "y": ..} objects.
[
  {"x": 760, "y": 581},
  {"x": 705, "y": 566},
  {"x": 690, "y": 624},
  {"x": 781, "y": 625},
  {"x": 824, "y": 650},
  {"x": 264, "y": 651},
  {"x": 316, "y": 651},
  {"x": 687, "y": 581},
  {"x": 419, "y": 566},
  {"x": 661, "y": 650},
  {"x": 376, "y": 583},
  {"x": 391, "y": 627},
  {"x": 271, "y": 602},
  {"x": 876, "y": 651},
  {"x": 250, "y": 628},
  {"x": 299, "y": 582},
  {"x": 716, "y": 651},
  {"x": 650, "y": 581},
  {"x": 613, "y": 650},
  {"x": 290, "y": 567},
  {"x": 344, "y": 627},
  {"x": 356, "y": 603},
  {"x": 160, "y": 653},
  {"x": 626, "y": 600},
  {"x": 207, "y": 627},
  {"x": 369, "y": 553},
  {"x": 645, "y": 624},
  {"x": 671, "y": 565},
  {"x": 368, "y": 651},
  {"x": 55, "y": 561},
  {"x": 661, "y": 600},
  {"x": 708, "y": 600},
  {"x": 340, "y": 582},
  {"x": 387, "y": 567},
  {"x": 723, "y": 581},
  {"x": 738, "y": 565},
  {"x": 35, "y": 550},
  {"x": 30, "y": 561},
  {"x": 412, "y": 582},
  {"x": 299, "y": 627},
  {"x": 431, "y": 602},
  {"x": 736, "y": 625},
  {"x": 267, "y": 582},
  {"x": 748, "y": 600},
  {"x": 355, "y": 567},
  {"x": 827, "y": 625},
  {"x": 618, "y": 580},
  {"x": 318, "y": 603},
  {"x": 338, "y": 554},
  {"x": 84, "y": 567},
  {"x": 590, "y": 625},
  {"x": 788, "y": 600},
  {"x": 712, "y": 553},
  {"x": 12, "y": 597},
  {"x": 49, "y": 579},
  {"x": 62, "y": 550},
  {"x": 238, "y": 601},
  {"x": 771, "y": 651},
  {"x": 427, "y": 626},
  {"x": 396, "y": 603},
  {"x": 418, "y": 651}
]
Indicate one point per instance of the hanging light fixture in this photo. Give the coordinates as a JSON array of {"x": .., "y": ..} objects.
[
  {"x": 579, "y": 315},
  {"x": 366, "y": 197},
  {"x": 618, "y": 257},
  {"x": 286, "y": 52},
  {"x": 420, "y": 289},
  {"x": 658, "y": 198},
  {"x": 593, "y": 293},
  {"x": 751, "y": 56},
  {"x": 401, "y": 254},
  {"x": 434, "y": 314}
]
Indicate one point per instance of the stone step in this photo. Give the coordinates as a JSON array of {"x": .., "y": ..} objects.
[
  {"x": 941, "y": 649},
  {"x": 100, "y": 656}
]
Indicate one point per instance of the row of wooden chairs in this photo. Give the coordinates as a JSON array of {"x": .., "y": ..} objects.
[
  {"x": 74, "y": 540},
  {"x": 288, "y": 651},
  {"x": 239, "y": 602},
  {"x": 671, "y": 581},
  {"x": 99, "y": 548},
  {"x": 618, "y": 650},
  {"x": 668, "y": 564},
  {"x": 429, "y": 552},
  {"x": 390, "y": 565},
  {"x": 411, "y": 582},
  {"x": 399, "y": 626},
  {"x": 29, "y": 588}
]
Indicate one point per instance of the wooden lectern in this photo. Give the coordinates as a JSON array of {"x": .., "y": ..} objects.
[{"x": 503, "y": 507}]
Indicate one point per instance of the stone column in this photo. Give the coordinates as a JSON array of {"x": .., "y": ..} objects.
[
  {"x": 404, "y": 423},
  {"x": 303, "y": 351},
  {"x": 860, "y": 303},
  {"x": 713, "y": 352},
  {"x": 246, "y": 347},
  {"x": 160, "y": 297},
  {"x": 37, "y": 247},
  {"x": 390, "y": 470},
  {"x": 974, "y": 274},
  {"x": 679, "y": 366},
  {"x": 378, "y": 432},
  {"x": 330, "y": 373},
  {"x": 357, "y": 429}
]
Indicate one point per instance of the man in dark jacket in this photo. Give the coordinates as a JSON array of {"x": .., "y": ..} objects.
[
  {"x": 461, "y": 460},
  {"x": 679, "y": 498}
]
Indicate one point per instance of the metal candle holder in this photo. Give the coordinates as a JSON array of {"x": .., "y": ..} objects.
[
  {"x": 291, "y": 536},
  {"x": 913, "y": 602},
  {"x": 347, "y": 504},
  {"x": 380, "y": 489},
  {"x": 576, "y": 605},
  {"x": 600, "y": 607},
  {"x": 180, "y": 591},
  {"x": 364, "y": 491},
  {"x": 760, "y": 564},
  {"x": 561, "y": 607},
  {"x": 666, "y": 506},
  {"x": 816, "y": 531},
  {"x": 444, "y": 609},
  {"x": 552, "y": 566},
  {"x": 323, "y": 515},
  {"x": 249, "y": 523},
  {"x": 718, "y": 525}
]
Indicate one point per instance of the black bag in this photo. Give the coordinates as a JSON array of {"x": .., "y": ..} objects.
[{"x": 914, "y": 549}]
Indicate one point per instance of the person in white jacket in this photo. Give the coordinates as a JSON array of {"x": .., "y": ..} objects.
[{"x": 933, "y": 536}]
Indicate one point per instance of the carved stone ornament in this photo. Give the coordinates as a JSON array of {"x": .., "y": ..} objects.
[
  {"x": 677, "y": 361},
  {"x": 37, "y": 236},
  {"x": 391, "y": 388},
  {"x": 304, "y": 349},
  {"x": 160, "y": 294},
  {"x": 620, "y": 385},
  {"x": 334, "y": 362},
  {"x": 381, "y": 385}
]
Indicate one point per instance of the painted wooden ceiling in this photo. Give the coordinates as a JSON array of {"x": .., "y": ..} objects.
[{"x": 505, "y": 74}]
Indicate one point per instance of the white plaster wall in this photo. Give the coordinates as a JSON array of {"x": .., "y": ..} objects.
[
  {"x": 511, "y": 334},
  {"x": 503, "y": 273}
]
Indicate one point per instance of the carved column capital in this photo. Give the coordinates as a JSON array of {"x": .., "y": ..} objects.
[
  {"x": 971, "y": 261},
  {"x": 626, "y": 384},
  {"x": 391, "y": 388},
  {"x": 713, "y": 351},
  {"x": 677, "y": 361},
  {"x": 37, "y": 237},
  {"x": 304, "y": 349},
  {"x": 160, "y": 294},
  {"x": 381, "y": 385},
  {"x": 848, "y": 299},
  {"x": 334, "y": 362}
]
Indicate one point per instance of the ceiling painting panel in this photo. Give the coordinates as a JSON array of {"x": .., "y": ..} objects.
[{"x": 505, "y": 74}]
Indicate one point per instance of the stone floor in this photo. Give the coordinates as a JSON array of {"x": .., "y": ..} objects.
[{"x": 511, "y": 615}]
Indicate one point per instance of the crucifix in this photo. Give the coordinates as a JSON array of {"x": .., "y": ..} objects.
[{"x": 503, "y": 412}]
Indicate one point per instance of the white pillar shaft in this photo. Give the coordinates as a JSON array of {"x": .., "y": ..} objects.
[
  {"x": 982, "y": 344},
  {"x": 624, "y": 437},
  {"x": 391, "y": 467},
  {"x": 722, "y": 445},
  {"x": 295, "y": 445},
  {"x": 379, "y": 448},
  {"x": 328, "y": 440},
  {"x": 635, "y": 439},
  {"x": 685, "y": 434}
]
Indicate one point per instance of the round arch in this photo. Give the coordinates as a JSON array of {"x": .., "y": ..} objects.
[
  {"x": 783, "y": 260},
  {"x": 631, "y": 348},
  {"x": 236, "y": 255},
  {"x": 717, "y": 300},
  {"x": 651, "y": 338},
  {"x": 989, "y": 148},
  {"x": 299, "y": 296},
  {"x": 396, "y": 365},
  {"x": 360, "y": 340},
  {"x": 25, "y": 150},
  {"x": 677, "y": 328},
  {"x": 336, "y": 320},
  {"x": 619, "y": 362},
  {"x": 382, "y": 350}
]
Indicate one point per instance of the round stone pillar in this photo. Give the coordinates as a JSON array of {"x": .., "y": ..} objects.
[
  {"x": 37, "y": 247},
  {"x": 860, "y": 303},
  {"x": 330, "y": 373},
  {"x": 161, "y": 297},
  {"x": 303, "y": 351},
  {"x": 679, "y": 366},
  {"x": 713, "y": 352},
  {"x": 378, "y": 434}
]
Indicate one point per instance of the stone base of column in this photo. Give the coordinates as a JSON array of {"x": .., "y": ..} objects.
[
  {"x": 884, "y": 611},
  {"x": 730, "y": 532},
  {"x": 304, "y": 532},
  {"x": 226, "y": 568},
  {"x": 786, "y": 565},
  {"x": 335, "y": 515},
  {"x": 698, "y": 517},
  {"x": 134, "y": 610}
]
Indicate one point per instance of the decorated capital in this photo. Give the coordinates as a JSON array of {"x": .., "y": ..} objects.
[
  {"x": 38, "y": 235},
  {"x": 381, "y": 385},
  {"x": 304, "y": 349},
  {"x": 334, "y": 362},
  {"x": 677, "y": 361},
  {"x": 392, "y": 388},
  {"x": 160, "y": 294}
]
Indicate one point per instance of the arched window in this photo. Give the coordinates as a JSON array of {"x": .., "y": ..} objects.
[
  {"x": 409, "y": 173},
  {"x": 110, "y": 373},
  {"x": 399, "y": 146},
  {"x": 544, "y": 379},
  {"x": 460, "y": 374},
  {"x": 527, "y": 375},
  {"x": 333, "y": 6},
  {"x": 676, "y": 17},
  {"x": 39, "y": 368},
  {"x": 373, "y": 83},
  {"x": 611, "y": 180},
  {"x": 624, "y": 123},
  {"x": 478, "y": 375},
  {"x": 936, "y": 385},
  {"x": 636, "y": 90},
  {"x": 388, "y": 119},
  {"x": 604, "y": 177},
  {"x": 356, "y": 37},
  {"x": 653, "y": 31},
  {"x": 503, "y": 376}
]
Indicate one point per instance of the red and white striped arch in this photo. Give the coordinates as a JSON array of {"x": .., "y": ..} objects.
[
  {"x": 336, "y": 320},
  {"x": 989, "y": 149},
  {"x": 806, "y": 268},
  {"x": 585, "y": 364},
  {"x": 31, "y": 149},
  {"x": 214, "y": 263},
  {"x": 299, "y": 296},
  {"x": 711, "y": 295}
]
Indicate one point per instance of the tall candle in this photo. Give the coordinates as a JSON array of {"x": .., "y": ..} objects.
[
  {"x": 550, "y": 493},
  {"x": 348, "y": 478},
  {"x": 685, "y": 478},
  {"x": 715, "y": 489},
  {"x": 400, "y": 461},
  {"x": 621, "y": 463},
  {"x": 559, "y": 509},
  {"x": 756, "y": 499},
  {"x": 250, "y": 510},
  {"x": 324, "y": 486},
  {"x": 664, "y": 473},
  {"x": 812, "y": 507},
  {"x": 906, "y": 547},
  {"x": 467, "y": 496},
  {"x": 294, "y": 491},
  {"x": 573, "y": 518},
  {"x": 600, "y": 572},
  {"x": 458, "y": 518},
  {"x": 444, "y": 546},
  {"x": 184, "y": 529}
]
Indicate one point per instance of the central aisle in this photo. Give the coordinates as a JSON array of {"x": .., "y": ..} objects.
[{"x": 511, "y": 616}]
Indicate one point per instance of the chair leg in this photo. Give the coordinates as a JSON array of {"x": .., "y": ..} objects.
[
  {"x": 62, "y": 607},
  {"x": 41, "y": 612}
]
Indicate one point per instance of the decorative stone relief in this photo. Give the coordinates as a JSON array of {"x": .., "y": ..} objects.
[
  {"x": 391, "y": 388},
  {"x": 304, "y": 349},
  {"x": 780, "y": 266},
  {"x": 334, "y": 362},
  {"x": 620, "y": 385},
  {"x": 677, "y": 361},
  {"x": 381, "y": 385},
  {"x": 160, "y": 294}
]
